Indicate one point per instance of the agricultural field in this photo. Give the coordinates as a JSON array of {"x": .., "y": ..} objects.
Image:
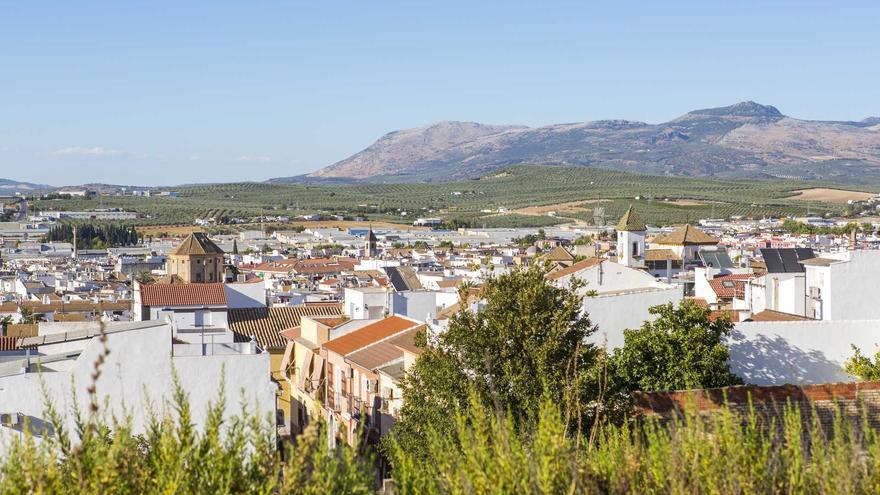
[
  {"x": 525, "y": 194},
  {"x": 828, "y": 195}
]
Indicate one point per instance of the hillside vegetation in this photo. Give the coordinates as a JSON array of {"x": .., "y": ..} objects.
[
  {"x": 745, "y": 140},
  {"x": 513, "y": 188}
]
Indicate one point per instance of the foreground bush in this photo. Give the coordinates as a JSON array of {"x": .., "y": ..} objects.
[
  {"x": 485, "y": 452},
  {"x": 723, "y": 454},
  {"x": 226, "y": 457}
]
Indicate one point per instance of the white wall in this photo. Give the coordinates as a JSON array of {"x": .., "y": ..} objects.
[
  {"x": 854, "y": 289},
  {"x": 612, "y": 277},
  {"x": 185, "y": 318},
  {"x": 616, "y": 313},
  {"x": 140, "y": 364},
  {"x": 800, "y": 352},
  {"x": 245, "y": 295},
  {"x": 363, "y": 304}
]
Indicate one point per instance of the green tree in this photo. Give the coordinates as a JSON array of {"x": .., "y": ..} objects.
[
  {"x": 5, "y": 322},
  {"x": 862, "y": 366},
  {"x": 682, "y": 348},
  {"x": 28, "y": 316},
  {"x": 235, "y": 246},
  {"x": 526, "y": 345}
]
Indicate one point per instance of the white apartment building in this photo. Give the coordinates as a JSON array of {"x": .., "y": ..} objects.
[{"x": 137, "y": 377}]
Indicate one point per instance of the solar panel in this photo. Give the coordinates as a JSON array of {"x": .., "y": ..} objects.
[
  {"x": 790, "y": 261},
  {"x": 773, "y": 260},
  {"x": 804, "y": 253},
  {"x": 786, "y": 260},
  {"x": 716, "y": 258}
]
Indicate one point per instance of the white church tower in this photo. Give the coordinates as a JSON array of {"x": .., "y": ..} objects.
[{"x": 631, "y": 240}]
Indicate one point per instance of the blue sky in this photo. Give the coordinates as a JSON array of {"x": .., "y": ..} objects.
[{"x": 168, "y": 93}]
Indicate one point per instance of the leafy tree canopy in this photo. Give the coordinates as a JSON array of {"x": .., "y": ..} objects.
[
  {"x": 862, "y": 366},
  {"x": 682, "y": 348},
  {"x": 526, "y": 345}
]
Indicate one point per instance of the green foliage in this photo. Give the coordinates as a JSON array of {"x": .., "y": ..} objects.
[
  {"x": 682, "y": 348},
  {"x": 862, "y": 366},
  {"x": 229, "y": 456},
  {"x": 525, "y": 346},
  {"x": 486, "y": 452},
  {"x": 583, "y": 240},
  {"x": 796, "y": 227},
  {"x": 517, "y": 187},
  {"x": 94, "y": 236}
]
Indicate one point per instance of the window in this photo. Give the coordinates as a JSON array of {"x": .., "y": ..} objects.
[
  {"x": 279, "y": 417},
  {"x": 635, "y": 249},
  {"x": 727, "y": 284}
]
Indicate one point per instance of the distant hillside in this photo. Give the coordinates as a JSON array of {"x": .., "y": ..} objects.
[
  {"x": 746, "y": 140},
  {"x": 8, "y": 186}
]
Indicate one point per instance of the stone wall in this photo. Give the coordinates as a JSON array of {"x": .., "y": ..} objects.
[{"x": 857, "y": 401}]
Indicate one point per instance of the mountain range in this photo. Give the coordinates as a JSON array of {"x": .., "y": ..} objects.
[
  {"x": 10, "y": 187},
  {"x": 746, "y": 140}
]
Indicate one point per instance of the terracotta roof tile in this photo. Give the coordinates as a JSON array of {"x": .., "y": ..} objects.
[
  {"x": 580, "y": 265},
  {"x": 196, "y": 243},
  {"x": 265, "y": 324},
  {"x": 558, "y": 253},
  {"x": 183, "y": 294},
  {"x": 75, "y": 306},
  {"x": 630, "y": 222},
  {"x": 376, "y": 355},
  {"x": 407, "y": 342},
  {"x": 661, "y": 255},
  {"x": 771, "y": 315},
  {"x": 370, "y": 334},
  {"x": 686, "y": 236},
  {"x": 726, "y": 286}
]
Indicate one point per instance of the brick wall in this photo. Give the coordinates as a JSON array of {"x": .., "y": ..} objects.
[{"x": 855, "y": 400}]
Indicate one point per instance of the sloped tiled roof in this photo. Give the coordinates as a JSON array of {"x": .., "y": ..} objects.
[
  {"x": 558, "y": 253},
  {"x": 197, "y": 243},
  {"x": 183, "y": 295},
  {"x": 370, "y": 334},
  {"x": 76, "y": 306},
  {"x": 580, "y": 265},
  {"x": 686, "y": 236},
  {"x": 448, "y": 311},
  {"x": 8, "y": 307},
  {"x": 630, "y": 222},
  {"x": 661, "y": 255},
  {"x": 376, "y": 355},
  {"x": 264, "y": 324},
  {"x": 771, "y": 315},
  {"x": 407, "y": 342},
  {"x": 450, "y": 283},
  {"x": 726, "y": 286}
]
